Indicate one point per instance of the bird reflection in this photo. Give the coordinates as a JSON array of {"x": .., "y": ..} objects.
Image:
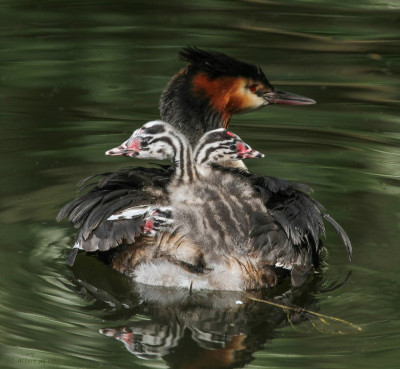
[
  {"x": 203, "y": 329},
  {"x": 208, "y": 330}
]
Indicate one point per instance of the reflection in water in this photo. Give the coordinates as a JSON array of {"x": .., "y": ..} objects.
[{"x": 206, "y": 329}]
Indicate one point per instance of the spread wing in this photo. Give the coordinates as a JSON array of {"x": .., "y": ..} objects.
[
  {"x": 300, "y": 216},
  {"x": 110, "y": 211}
]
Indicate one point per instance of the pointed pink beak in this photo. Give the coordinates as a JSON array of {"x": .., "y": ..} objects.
[
  {"x": 130, "y": 147},
  {"x": 246, "y": 152}
]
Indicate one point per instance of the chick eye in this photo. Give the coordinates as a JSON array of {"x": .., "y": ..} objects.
[{"x": 253, "y": 88}]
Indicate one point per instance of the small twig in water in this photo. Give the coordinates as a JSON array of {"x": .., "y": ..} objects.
[{"x": 322, "y": 318}]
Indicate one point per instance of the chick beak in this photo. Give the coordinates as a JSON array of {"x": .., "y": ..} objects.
[
  {"x": 246, "y": 152},
  {"x": 130, "y": 147},
  {"x": 286, "y": 98},
  {"x": 252, "y": 154}
]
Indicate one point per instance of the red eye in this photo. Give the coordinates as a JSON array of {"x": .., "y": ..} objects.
[
  {"x": 230, "y": 134},
  {"x": 253, "y": 88}
]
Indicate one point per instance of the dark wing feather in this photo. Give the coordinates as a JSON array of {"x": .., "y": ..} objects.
[
  {"x": 273, "y": 246},
  {"x": 107, "y": 194},
  {"x": 340, "y": 231},
  {"x": 299, "y": 214},
  {"x": 290, "y": 204},
  {"x": 267, "y": 236}
]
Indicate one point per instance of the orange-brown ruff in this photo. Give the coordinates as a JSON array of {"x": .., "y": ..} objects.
[{"x": 228, "y": 95}]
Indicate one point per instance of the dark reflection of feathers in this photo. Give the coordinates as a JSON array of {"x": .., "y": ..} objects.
[{"x": 206, "y": 329}]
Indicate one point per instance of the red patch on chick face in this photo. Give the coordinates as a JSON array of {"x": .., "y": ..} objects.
[
  {"x": 241, "y": 149},
  {"x": 134, "y": 145},
  {"x": 148, "y": 226},
  {"x": 125, "y": 337}
]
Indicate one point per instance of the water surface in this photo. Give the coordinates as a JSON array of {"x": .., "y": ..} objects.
[{"x": 78, "y": 77}]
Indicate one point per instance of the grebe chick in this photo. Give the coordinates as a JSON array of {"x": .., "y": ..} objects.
[{"x": 159, "y": 140}]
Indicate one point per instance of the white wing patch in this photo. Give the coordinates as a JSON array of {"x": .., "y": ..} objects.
[
  {"x": 285, "y": 266},
  {"x": 78, "y": 245},
  {"x": 130, "y": 213}
]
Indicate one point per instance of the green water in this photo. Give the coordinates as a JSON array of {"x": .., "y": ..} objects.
[{"x": 77, "y": 77}]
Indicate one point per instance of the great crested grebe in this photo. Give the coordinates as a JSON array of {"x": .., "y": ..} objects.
[{"x": 202, "y": 96}]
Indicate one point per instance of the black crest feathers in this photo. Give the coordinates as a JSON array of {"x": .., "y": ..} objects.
[{"x": 217, "y": 64}]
